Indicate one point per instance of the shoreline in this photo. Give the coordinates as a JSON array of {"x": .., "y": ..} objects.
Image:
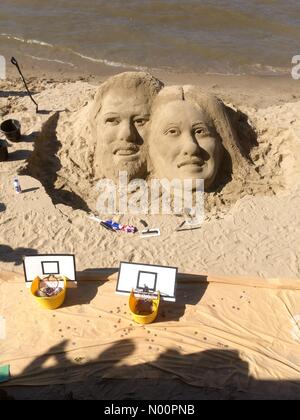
[{"x": 258, "y": 91}]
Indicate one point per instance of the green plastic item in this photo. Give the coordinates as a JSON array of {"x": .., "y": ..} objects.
[{"x": 4, "y": 373}]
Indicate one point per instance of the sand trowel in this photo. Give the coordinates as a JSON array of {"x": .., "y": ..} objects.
[
  {"x": 192, "y": 221},
  {"x": 148, "y": 233}
]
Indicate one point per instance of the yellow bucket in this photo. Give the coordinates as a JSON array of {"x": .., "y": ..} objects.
[
  {"x": 51, "y": 302},
  {"x": 143, "y": 319}
]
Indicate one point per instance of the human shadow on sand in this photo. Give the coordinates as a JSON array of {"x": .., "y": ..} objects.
[
  {"x": 11, "y": 255},
  {"x": 211, "y": 374}
]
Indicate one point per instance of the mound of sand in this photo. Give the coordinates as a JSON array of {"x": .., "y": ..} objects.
[{"x": 251, "y": 226}]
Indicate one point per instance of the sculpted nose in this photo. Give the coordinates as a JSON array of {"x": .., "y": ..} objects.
[
  {"x": 127, "y": 132},
  {"x": 190, "y": 146}
]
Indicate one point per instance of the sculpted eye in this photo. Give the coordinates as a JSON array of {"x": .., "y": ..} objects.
[
  {"x": 139, "y": 122},
  {"x": 112, "y": 120},
  {"x": 173, "y": 132},
  {"x": 200, "y": 131}
]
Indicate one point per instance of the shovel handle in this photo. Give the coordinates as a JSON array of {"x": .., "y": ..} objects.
[{"x": 14, "y": 61}]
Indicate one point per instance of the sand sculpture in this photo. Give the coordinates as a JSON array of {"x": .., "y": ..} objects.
[
  {"x": 107, "y": 135},
  {"x": 119, "y": 118},
  {"x": 133, "y": 124},
  {"x": 191, "y": 137}
]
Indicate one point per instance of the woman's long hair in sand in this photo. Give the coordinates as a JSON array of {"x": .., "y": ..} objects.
[{"x": 236, "y": 159}]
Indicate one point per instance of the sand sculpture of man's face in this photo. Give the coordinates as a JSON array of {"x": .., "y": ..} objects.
[
  {"x": 181, "y": 143},
  {"x": 121, "y": 126}
]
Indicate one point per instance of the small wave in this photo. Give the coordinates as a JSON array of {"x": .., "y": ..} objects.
[
  {"x": 84, "y": 57},
  {"x": 27, "y": 41},
  {"x": 50, "y": 60},
  {"x": 271, "y": 69},
  {"x": 215, "y": 73},
  {"x": 253, "y": 69},
  {"x": 108, "y": 62}
]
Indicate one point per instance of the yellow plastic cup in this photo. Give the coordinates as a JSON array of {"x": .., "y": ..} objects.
[
  {"x": 51, "y": 302},
  {"x": 143, "y": 319}
]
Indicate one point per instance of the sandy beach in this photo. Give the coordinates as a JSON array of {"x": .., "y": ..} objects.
[
  {"x": 247, "y": 233},
  {"x": 154, "y": 295}
]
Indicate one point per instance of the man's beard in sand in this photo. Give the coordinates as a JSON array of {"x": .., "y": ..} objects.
[{"x": 105, "y": 166}]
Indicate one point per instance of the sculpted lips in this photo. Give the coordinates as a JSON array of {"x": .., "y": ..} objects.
[
  {"x": 192, "y": 161},
  {"x": 126, "y": 151}
]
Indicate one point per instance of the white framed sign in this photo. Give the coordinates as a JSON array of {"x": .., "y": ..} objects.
[
  {"x": 150, "y": 278},
  {"x": 45, "y": 265}
]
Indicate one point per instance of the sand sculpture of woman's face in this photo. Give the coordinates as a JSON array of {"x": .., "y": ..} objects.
[
  {"x": 181, "y": 143},
  {"x": 121, "y": 126}
]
